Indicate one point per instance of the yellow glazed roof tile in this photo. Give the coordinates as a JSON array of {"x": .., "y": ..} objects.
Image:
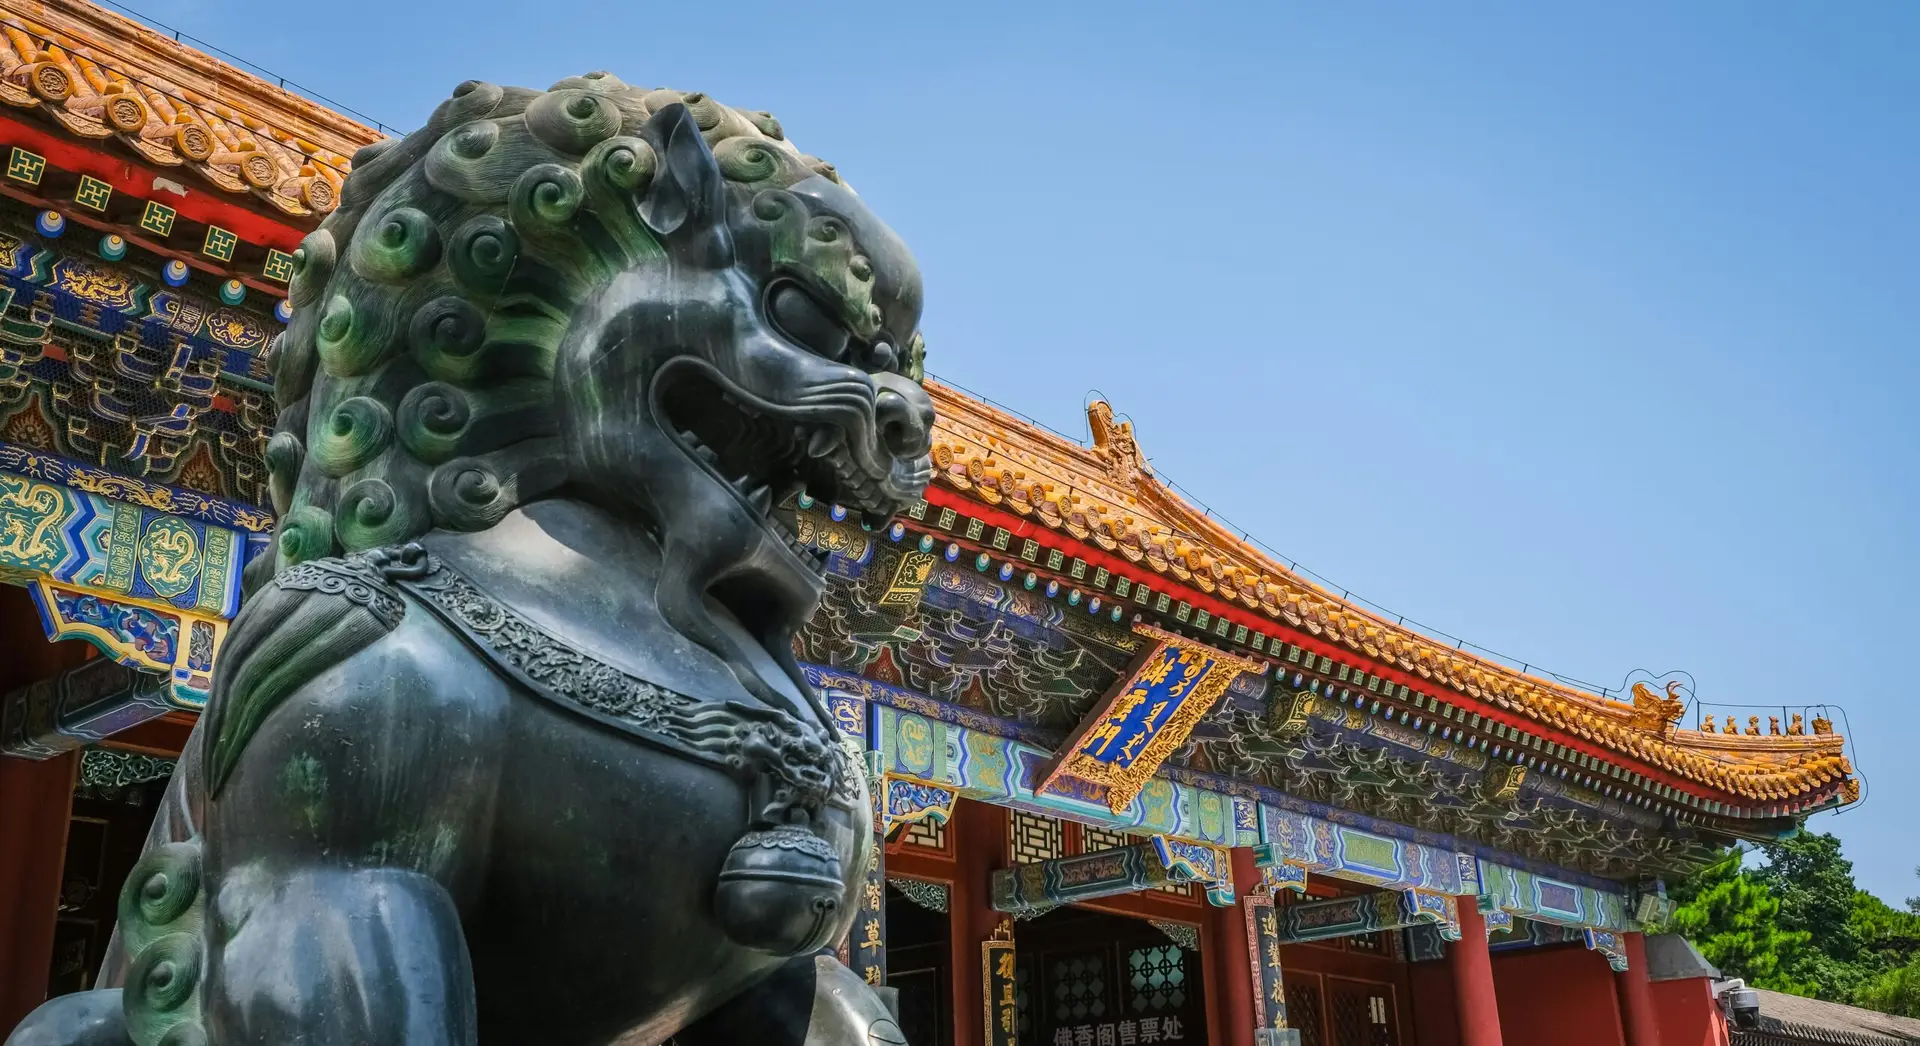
[
  {"x": 104, "y": 77},
  {"x": 1107, "y": 496}
]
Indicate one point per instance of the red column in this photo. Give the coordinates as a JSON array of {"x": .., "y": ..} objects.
[
  {"x": 1474, "y": 1001},
  {"x": 979, "y": 847},
  {"x": 1226, "y": 961},
  {"x": 36, "y": 802},
  {"x": 1636, "y": 996}
]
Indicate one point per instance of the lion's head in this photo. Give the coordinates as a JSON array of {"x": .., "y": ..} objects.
[{"x": 643, "y": 299}]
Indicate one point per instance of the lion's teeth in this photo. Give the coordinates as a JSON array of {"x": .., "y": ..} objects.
[{"x": 823, "y": 441}]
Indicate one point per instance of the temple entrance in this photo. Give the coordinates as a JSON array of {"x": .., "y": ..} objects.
[
  {"x": 113, "y": 808},
  {"x": 35, "y": 804},
  {"x": 1346, "y": 991},
  {"x": 1341, "y": 1011},
  {"x": 919, "y": 958},
  {"x": 74, "y": 821},
  {"x": 1088, "y": 978}
]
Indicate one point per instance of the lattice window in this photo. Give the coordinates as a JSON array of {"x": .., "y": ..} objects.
[
  {"x": 1093, "y": 840},
  {"x": 925, "y": 834},
  {"x": 1158, "y": 979},
  {"x": 1031, "y": 838},
  {"x": 1303, "y": 1010},
  {"x": 1352, "y": 1018},
  {"x": 1362, "y": 1013},
  {"x": 1373, "y": 943},
  {"x": 1080, "y": 988}
]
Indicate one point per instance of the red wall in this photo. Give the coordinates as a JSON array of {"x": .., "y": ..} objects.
[
  {"x": 1687, "y": 1013},
  {"x": 36, "y": 800},
  {"x": 1556, "y": 997}
]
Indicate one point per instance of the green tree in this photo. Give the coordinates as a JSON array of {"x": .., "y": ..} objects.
[
  {"x": 1895, "y": 991},
  {"x": 1735, "y": 922},
  {"x": 1822, "y": 935},
  {"x": 1814, "y": 886}
]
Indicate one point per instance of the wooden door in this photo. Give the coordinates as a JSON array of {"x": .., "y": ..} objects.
[{"x": 1361, "y": 1013}]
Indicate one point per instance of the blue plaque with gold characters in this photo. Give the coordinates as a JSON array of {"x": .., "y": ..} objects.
[{"x": 1147, "y": 717}]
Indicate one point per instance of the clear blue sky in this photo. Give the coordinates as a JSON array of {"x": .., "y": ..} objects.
[{"x": 1585, "y": 331}]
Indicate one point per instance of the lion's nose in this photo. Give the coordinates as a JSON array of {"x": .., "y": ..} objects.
[{"x": 905, "y": 416}]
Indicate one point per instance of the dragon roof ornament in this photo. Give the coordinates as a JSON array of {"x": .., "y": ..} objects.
[{"x": 1107, "y": 496}]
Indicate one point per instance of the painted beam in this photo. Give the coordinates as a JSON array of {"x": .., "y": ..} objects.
[
  {"x": 1542, "y": 899},
  {"x": 176, "y": 645},
  {"x": 1609, "y": 945},
  {"x": 998, "y": 761},
  {"x": 1346, "y": 852},
  {"x": 79, "y": 707},
  {"x": 1041, "y": 885},
  {"x": 916, "y": 744},
  {"x": 1368, "y": 913},
  {"x": 905, "y": 801}
]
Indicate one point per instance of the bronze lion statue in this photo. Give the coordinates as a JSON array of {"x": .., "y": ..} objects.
[{"x": 508, "y": 744}]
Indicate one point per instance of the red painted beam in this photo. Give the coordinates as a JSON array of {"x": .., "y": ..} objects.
[{"x": 135, "y": 179}]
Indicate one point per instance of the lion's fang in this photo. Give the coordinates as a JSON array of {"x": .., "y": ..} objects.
[{"x": 823, "y": 441}]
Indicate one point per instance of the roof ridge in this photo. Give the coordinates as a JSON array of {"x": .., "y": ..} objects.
[
  {"x": 162, "y": 56},
  {"x": 1106, "y": 493},
  {"x": 101, "y": 76}
]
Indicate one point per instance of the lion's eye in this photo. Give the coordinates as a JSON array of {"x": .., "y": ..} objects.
[{"x": 806, "y": 323}]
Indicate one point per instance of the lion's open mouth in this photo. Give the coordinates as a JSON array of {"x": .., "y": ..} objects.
[{"x": 767, "y": 453}]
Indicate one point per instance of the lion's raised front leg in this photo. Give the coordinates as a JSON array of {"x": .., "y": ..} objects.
[
  {"x": 811, "y": 1001},
  {"x": 355, "y": 748},
  {"x": 340, "y": 957}
]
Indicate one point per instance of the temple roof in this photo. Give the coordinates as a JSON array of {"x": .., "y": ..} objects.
[
  {"x": 110, "y": 79},
  {"x": 107, "y": 78},
  {"x": 1108, "y": 497}
]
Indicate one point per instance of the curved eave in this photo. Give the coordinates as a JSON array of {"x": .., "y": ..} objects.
[
  {"x": 1106, "y": 498},
  {"x": 107, "y": 79}
]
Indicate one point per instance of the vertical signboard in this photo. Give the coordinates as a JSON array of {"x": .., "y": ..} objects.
[
  {"x": 1263, "y": 948},
  {"x": 997, "y": 980},
  {"x": 868, "y": 944}
]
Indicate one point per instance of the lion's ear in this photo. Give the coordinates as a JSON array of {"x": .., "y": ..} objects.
[{"x": 688, "y": 192}]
